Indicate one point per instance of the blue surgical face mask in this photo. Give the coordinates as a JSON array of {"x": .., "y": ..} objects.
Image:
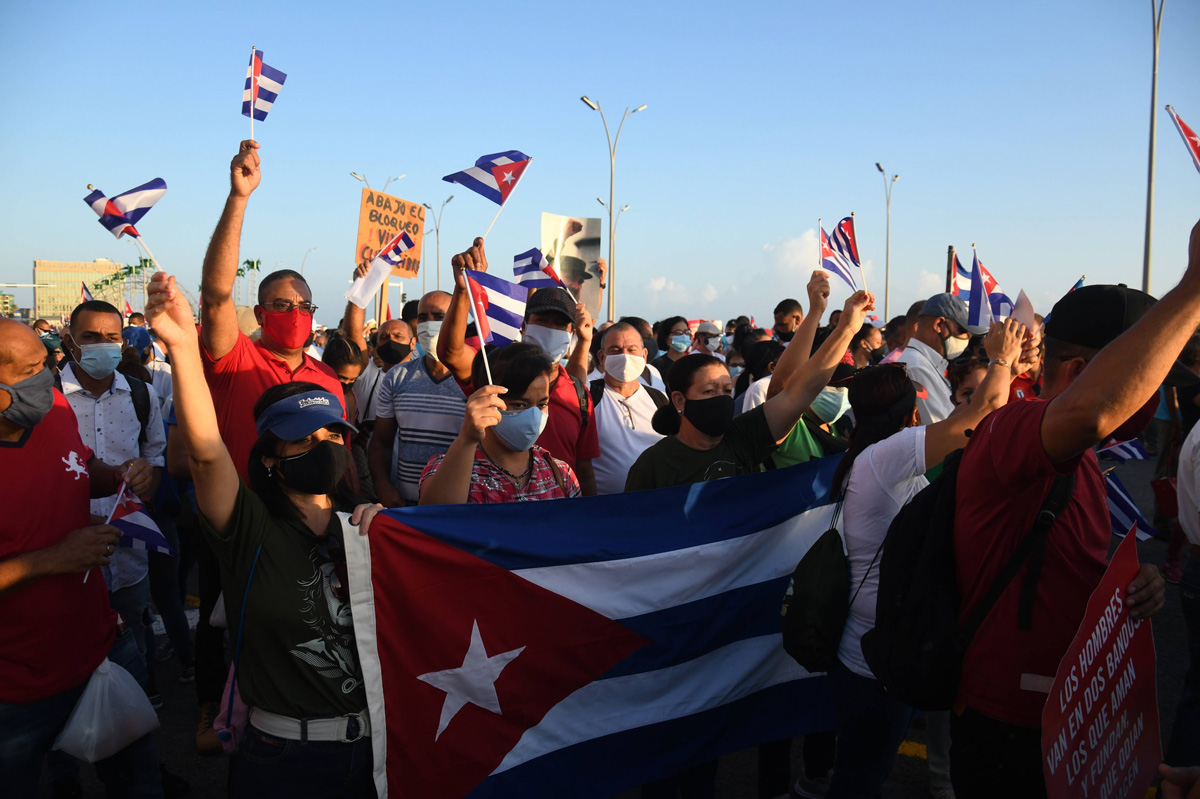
[
  {"x": 99, "y": 360},
  {"x": 831, "y": 403},
  {"x": 735, "y": 371},
  {"x": 681, "y": 343},
  {"x": 553, "y": 342},
  {"x": 519, "y": 430}
]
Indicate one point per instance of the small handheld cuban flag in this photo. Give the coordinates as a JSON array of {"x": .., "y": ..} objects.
[
  {"x": 389, "y": 257},
  {"x": 119, "y": 214},
  {"x": 493, "y": 176},
  {"x": 263, "y": 84},
  {"x": 534, "y": 271},
  {"x": 1124, "y": 512},
  {"x": 1190, "y": 138},
  {"x": 962, "y": 279},
  {"x": 498, "y": 307},
  {"x": 835, "y": 259},
  {"x": 393, "y": 253},
  {"x": 979, "y": 307},
  {"x": 84, "y": 294},
  {"x": 138, "y": 530},
  {"x": 1078, "y": 285},
  {"x": 1121, "y": 451}
]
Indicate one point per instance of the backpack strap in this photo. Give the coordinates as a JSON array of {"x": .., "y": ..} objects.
[
  {"x": 582, "y": 395},
  {"x": 660, "y": 399},
  {"x": 141, "y": 404},
  {"x": 558, "y": 476},
  {"x": 1033, "y": 548},
  {"x": 597, "y": 387}
]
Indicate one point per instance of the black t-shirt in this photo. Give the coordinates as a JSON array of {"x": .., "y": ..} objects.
[
  {"x": 670, "y": 462},
  {"x": 299, "y": 657}
]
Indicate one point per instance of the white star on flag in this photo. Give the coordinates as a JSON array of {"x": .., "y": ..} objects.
[
  {"x": 508, "y": 178},
  {"x": 474, "y": 681}
]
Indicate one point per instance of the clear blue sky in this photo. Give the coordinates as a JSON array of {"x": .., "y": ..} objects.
[{"x": 1021, "y": 126}]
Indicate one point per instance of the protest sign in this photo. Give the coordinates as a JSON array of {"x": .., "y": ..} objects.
[
  {"x": 572, "y": 246},
  {"x": 1100, "y": 724},
  {"x": 380, "y": 218}
]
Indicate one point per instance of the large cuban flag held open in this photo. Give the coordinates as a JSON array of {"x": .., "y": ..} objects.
[{"x": 582, "y": 647}]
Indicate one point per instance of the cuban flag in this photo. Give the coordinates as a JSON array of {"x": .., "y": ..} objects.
[
  {"x": 532, "y": 270},
  {"x": 979, "y": 308},
  {"x": 1124, "y": 512},
  {"x": 499, "y": 309},
  {"x": 138, "y": 530},
  {"x": 1190, "y": 139},
  {"x": 120, "y": 213},
  {"x": 587, "y": 663},
  {"x": 1078, "y": 285},
  {"x": 835, "y": 259},
  {"x": 1121, "y": 451},
  {"x": 393, "y": 253},
  {"x": 263, "y": 84},
  {"x": 962, "y": 279},
  {"x": 84, "y": 294},
  {"x": 494, "y": 176}
]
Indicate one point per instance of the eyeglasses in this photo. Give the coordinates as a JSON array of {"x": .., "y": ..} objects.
[{"x": 287, "y": 306}]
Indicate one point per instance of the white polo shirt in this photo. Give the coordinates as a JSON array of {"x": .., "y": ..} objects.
[
  {"x": 1189, "y": 486},
  {"x": 625, "y": 433}
]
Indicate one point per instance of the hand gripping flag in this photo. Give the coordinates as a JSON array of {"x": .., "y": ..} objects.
[
  {"x": 365, "y": 287},
  {"x": 138, "y": 530},
  {"x": 1123, "y": 512},
  {"x": 499, "y": 307},
  {"x": 119, "y": 214},
  {"x": 533, "y": 271},
  {"x": 263, "y": 84},
  {"x": 835, "y": 259},
  {"x": 1190, "y": 137},
  {"x": 494, "y": 176},
  {"x": 585, "y": 664}
]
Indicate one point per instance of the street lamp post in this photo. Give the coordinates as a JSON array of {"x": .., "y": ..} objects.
[
  {"x": 305, "y": 258},
  {"x": 612, "y": 177},
  {"x": 1156, "y": 18},
  {"x": 437, "y": 233},
  {"x": 887, "y": 258},
  {"x": 612, "y": 245}
]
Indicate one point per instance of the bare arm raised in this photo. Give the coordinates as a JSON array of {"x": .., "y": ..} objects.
[{"x": 218, "y": 316}]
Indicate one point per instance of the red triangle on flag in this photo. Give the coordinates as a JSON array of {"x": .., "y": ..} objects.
[
  {"x": 389, "y": 313},
  {"x": 507, "y": 176},
  {"x": 444, "y": 617}
]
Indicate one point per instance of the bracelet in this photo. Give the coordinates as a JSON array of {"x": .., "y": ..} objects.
[{"x": 1001, "y": 362}]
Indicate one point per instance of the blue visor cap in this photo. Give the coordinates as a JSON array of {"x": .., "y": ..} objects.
[
  {"x": 295, "y": 417},
  {"x": 136, "y": 337}
]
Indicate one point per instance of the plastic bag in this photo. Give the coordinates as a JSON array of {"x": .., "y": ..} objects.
[
  {"x": 112, "y": 713},
  {"x": 217, "y": 617},
  {"x": 228, "y": 727}
]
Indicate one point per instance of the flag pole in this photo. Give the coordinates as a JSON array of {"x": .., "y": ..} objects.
[
  {"x": 487, "y": 367},
  {"x": 861, "y": 273},
  {"x": 501, "y": 208},
  {"x": 253, "y": 93},
  {"x": 820, "y": 235},
  {"x": 153, "y": 260},
  {"x": 120, "y": 493}
]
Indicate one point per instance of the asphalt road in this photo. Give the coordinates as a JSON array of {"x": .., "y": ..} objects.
[{"x": 738, "y": 772}]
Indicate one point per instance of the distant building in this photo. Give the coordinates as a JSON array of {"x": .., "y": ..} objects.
[
  {"x": 65, "y": 279},
  {"x": 8, "y": 305}
]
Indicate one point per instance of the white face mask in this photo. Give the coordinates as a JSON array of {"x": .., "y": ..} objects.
[
  {"x": 553, "y": 342},
  {"x": 954, "y": 346},
  {"x": 624, "y": 368},
  {"x": 427, "y": 335}
]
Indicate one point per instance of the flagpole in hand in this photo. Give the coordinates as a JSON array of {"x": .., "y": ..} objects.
[
  {"x": 487, "y": 367},
  {"x": 120, "y": 493},
  {"x": 861, "y": 273},
  {"x": 501, "y": 208},
  {"x": 253, "y": 91}
]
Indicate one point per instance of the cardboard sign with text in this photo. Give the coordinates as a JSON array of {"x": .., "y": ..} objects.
[
  {"x": 1100, "y": 723},
  {"x": 380, "y": 218}
]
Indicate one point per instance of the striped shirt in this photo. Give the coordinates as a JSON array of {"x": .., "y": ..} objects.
[{"x": 428, "y": 413}]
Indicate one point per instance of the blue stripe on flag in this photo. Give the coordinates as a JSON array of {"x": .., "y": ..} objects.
[
  {"x": 470, "y": 182},
  {"x": 1124, "y": 512},
  {"x": 506, "y": 287},
  {"x": 498, "y": 314}
]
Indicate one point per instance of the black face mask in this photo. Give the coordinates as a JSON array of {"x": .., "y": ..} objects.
[
  {"x": 877, "y": 354},
  {"x": 392, "y": 352},
  {"x": 710, "y": 416},
  {"x": 317, "y": 471},
  {"x": 784, "y": 335}
]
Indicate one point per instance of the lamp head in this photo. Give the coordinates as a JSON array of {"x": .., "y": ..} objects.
[
  {"x": 357, "y": 176},
  {"x": 895, "y": 178},
  {"x": 641, "y": 107},
  {"x": 602, "y": 202},
  {"x": 589, "y": 103},
  {"x": 879, "y": 166},
  {"x": 625, "y": 208},
  {"x": 448, "y": 199},
  {"x": 427, "y": 205}
]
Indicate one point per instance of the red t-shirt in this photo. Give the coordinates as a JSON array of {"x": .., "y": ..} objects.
[
  {"x": 1023, "y": 387},
  {"x": 1002, "y": 482},
  {"x": 239, "y": 379},
  {"x": 54, "y": 631},
  {"x": 565, "y": 436}
]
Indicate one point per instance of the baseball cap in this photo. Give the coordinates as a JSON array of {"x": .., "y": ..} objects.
[
  {"x": 292, "y": 418},
  {"x": 136, "y": 337},
  {"x": 552, "y": 300},
  {"x": 709, "y": 328},
  {"x": 1092, "y": 316},
  {"x": 951, "y": 307}
]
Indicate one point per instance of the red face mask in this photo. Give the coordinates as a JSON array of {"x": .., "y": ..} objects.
[{"x": 289, "y": 329}]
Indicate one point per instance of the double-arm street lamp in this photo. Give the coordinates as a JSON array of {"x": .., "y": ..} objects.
[
  {"x": 437, "y": 234},
  {"x": 887, "y": 258}
]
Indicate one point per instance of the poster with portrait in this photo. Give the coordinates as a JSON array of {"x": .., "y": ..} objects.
[{"x": 572, "y": 245}]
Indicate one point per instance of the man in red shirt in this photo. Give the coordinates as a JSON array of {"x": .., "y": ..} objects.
[
  {"x": 239, "y": 370},
  {"x": 550, "y": 319},
  {"x": 55, "y": 628},
  {"x": 1107, "y": 349}
]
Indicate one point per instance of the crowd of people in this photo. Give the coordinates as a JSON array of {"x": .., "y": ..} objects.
[{"x": 244, "y": 439}]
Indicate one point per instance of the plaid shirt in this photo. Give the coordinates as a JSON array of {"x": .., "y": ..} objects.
[{"x": 490, "y": 484}]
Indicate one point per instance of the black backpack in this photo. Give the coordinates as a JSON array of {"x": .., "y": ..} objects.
[
  {"x": 917, "y": 646},
  {"x": 141, "y": 402},
  {"x": 818, "y": 600}
]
